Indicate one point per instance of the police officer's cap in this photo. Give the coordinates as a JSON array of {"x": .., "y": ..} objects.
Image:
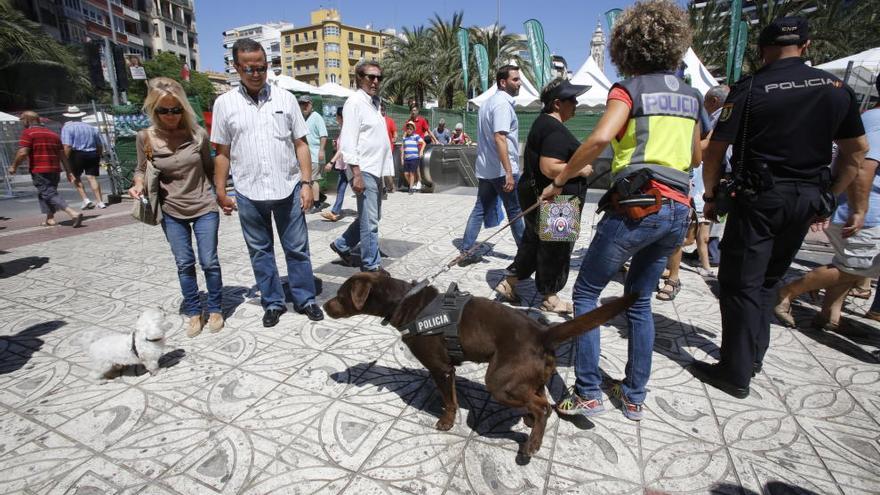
[{"x": 785, "y": 31}]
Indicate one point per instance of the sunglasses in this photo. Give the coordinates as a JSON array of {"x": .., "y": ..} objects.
[
  {"x": 374, "y": 77},
  {"x": 257, "y": 69},
  {"x": 172, "y": 110}
]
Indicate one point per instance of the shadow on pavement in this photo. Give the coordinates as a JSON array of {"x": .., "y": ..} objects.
[
  {"x": 15, "y": 267},
  {"x": 16, "y": 350}
]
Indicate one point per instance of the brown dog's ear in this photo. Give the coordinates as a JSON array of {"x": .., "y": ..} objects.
[{"x": 360, "y": 290}]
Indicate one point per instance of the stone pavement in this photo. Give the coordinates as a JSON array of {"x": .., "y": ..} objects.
[{"x": 340, "y": 406}]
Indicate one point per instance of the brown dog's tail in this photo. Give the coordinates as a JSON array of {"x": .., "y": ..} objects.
[{"x": 560, "y": 332}]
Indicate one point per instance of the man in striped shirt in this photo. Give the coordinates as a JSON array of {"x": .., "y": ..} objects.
[
  {"x": 43, "y": 150},
  {"x": 260, "y": 136}
]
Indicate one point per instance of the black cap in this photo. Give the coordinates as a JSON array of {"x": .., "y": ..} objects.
[
  {"x": 784, "y": 32},
  {"x": 304, "y": 99},
  {"x": 564, "y": 91}
]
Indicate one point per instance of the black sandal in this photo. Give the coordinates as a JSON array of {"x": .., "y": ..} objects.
[{"x": 668, "y": 295}]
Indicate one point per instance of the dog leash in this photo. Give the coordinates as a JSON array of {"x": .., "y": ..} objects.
[{"x": 415, "y": 289}]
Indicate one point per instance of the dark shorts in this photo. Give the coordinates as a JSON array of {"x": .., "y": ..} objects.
[
  {"x": 411, "y": 165},
  {"x": 84, "y": 162}
]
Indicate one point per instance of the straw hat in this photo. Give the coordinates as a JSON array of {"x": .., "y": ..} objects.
[{"x": 73, "y": 112}]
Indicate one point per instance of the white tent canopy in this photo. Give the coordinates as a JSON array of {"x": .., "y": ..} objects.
[
  {"x": 527, "y": 96},
  {"x": 290, "y": 84},
  {"x": 334, "y": 89},
  {"x": 701, "y": 78},
  {"x": 591, "y": 75},
  {"x": 5, "y": 117}
]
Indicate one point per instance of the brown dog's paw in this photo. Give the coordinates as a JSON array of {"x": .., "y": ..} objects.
[
  {"x": 444, "y": 424},
  {"x": 532, "y": 446},
  {"x": 529, "y": 420}
]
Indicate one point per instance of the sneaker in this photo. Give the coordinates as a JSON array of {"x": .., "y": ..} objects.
[
  {"x": 87, "y": 204},
  {"x": 418, "y": 186},
  {"x": 102, "y": 205},
  {"x": 215, "y": 322},
  {"x": 630, "y": 410},
  {"x": 194, "y": 327},
  {"x": 575, "y": 404}
]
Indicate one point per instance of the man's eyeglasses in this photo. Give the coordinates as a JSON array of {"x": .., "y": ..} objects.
[
  {"x": 374, "y": 77},
  {"x": 256, "y": 69},
  {"x": 172, "y": 110}
]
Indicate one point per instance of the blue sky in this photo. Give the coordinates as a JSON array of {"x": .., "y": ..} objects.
[{"x": 568, "y": 25}]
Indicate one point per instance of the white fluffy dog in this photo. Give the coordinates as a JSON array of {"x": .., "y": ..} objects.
[{"x": 144, "y": 345}]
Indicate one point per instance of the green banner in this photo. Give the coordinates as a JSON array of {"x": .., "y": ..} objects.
[
  {"x": 535, "y": 37},
  {"x": 611, "y": 17},
  {"x": 482, "y": 57},
  {"x": 735, "y": 18},
  {"x": 740, "y": 50},
  {"x": 463, "y": 47},
  {"x": 548, "y": 67}
]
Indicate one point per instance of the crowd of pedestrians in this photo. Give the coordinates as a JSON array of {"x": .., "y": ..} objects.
[{"x": 751, "y": 160}]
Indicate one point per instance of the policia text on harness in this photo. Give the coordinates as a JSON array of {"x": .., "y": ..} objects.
[
  {"x": 655, "y": 145},
  {"x": 441, "y": 317}
]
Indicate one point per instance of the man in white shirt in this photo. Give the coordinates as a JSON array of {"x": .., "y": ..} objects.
[
  {"x": 260, "y": 133},
  {"x": 364, "y": 144},
  {"x": 497, "y": 165}
]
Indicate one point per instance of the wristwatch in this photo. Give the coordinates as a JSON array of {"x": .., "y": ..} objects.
[
  {"x": 307, "y": 182},
  {"x": 708, "y": 199}
]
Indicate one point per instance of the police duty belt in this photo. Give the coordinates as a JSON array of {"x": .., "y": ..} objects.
[{"x": 441, "y": 316}]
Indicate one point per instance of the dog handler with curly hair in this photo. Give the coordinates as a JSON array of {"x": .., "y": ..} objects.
[{"x": 651, "y": 121}]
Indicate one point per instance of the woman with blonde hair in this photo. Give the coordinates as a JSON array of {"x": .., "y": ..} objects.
[
  {"x": 651, "y": 121},
  {"x": 180, "y": 151}
]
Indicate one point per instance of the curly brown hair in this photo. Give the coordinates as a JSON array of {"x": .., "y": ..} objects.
[{"x": 650, "y": 36}]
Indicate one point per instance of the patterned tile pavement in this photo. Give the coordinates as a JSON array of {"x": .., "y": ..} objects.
[{"x": 340, "y": 406}]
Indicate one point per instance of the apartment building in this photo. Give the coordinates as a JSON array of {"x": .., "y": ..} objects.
[
  {"x": 268, "y": 35},
  {"x": 327, "y": 50},
  {"x": 141, "y": 27}
]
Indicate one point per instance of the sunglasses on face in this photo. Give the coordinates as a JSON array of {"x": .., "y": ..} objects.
[
  {"x": 374, "y": 77},
  {"x": 256, "y": 69},
  {"x": 172, "y": 110}
]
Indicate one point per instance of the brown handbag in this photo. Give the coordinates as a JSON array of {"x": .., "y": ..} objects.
[{"x": 147, "y": 210}]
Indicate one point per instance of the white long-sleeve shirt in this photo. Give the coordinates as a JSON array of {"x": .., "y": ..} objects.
[{"x": 363, "y": 139}]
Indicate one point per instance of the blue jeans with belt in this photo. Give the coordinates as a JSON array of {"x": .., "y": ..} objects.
[
  {"x": 179, "y": 232},
  {"x": 340, "y": 192},
  {"x": 290, "y": 222},
  {"x": 365, "y": 228},
  {"x": 648, "y": 241}
]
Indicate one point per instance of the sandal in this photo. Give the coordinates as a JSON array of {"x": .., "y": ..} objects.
[
  {"x": 506, "y": 291},
  {"x": 48, "y": 223},
  {"x": 860, "y": 293},
  {"x": 553, "y": 304},
  {"x": 669, "y": 295}
]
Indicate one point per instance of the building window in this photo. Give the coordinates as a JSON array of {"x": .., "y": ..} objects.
[
  {"x": 332, "y": 63},
  {"x": 296, "y": 37},
  {"x": 169, "y": 35},
  {"x": 180, "y": 38},
  {"x": 362, "y": 38},
  {"x": 287, "y": 40},
  {"x": 333, "y": 78},
  {"x": 331, "y": 31},
  {"x": 374, "y": 40},
  {"x": 331, "y": 47},
  {"x": 314, "y": 35},
  {"x": 155, "y": 30},
  {"x": 350, "y": 36}
]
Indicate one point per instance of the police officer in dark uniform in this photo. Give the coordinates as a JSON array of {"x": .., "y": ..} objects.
[{"x": 782, "y": 121}]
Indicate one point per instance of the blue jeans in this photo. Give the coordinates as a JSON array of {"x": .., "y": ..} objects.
[
  {"x": 648, "y": 242},
  {"x": 179, "y": 233},
  {"x": 488, "y": 192},
  {"x": 875, "y": 305},
  {"x": 365, "y": 228},
  {"x": 290, "y": 222},
  {"x": 340, "y": 192}
]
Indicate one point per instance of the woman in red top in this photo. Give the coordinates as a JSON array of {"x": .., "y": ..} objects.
[{"x": 45, "y": 154}]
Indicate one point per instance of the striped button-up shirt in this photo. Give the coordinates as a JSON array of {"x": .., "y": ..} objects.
[
  {"x": 80, "y": 136},
  {"x": 260, "y": 135},
  {"x": 363, "y": 139}
]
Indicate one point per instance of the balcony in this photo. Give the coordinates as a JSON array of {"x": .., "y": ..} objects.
[
  {"x": 134, "y": 39},
  {"x": 306, "y": 55},
  {"x": 307, "y": 70},
  {"x": 131, "y": 13},
  {"x": 303, "y": 41}
]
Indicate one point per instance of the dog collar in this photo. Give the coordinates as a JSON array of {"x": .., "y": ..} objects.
[
  {"x": 134, "y": 347},
  {"x": 415, "y": 289}
]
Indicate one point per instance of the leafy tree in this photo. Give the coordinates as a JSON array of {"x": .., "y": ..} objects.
[
  {"x": 34, "y": 67},
  {"x": 405, "y": 63},
  {"x": 169, "y": 65}
]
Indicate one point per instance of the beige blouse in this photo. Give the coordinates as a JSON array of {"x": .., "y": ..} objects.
[{"x": 185, "y": 174}]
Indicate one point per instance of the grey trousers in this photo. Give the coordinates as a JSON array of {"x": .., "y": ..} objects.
[{"x": 47, "y": 192}]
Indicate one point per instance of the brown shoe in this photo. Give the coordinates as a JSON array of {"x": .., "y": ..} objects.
[
  {"x": 329, "y": 215},
  {"x": 782, "y": 310},
  {"x": 194, "y": 327},
  {"x": 215, "y": 322}
]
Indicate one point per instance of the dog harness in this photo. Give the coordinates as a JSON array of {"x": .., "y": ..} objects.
[{"x": 441, "y": 316}]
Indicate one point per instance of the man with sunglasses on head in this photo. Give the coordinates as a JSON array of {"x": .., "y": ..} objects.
[
  {"x": 364, "y": 144},
  {"x": 260, "y": 135}
]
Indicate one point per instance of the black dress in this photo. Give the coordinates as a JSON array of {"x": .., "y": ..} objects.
[{"x": 549, "y": 261}]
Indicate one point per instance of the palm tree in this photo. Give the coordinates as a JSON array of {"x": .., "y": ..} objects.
[
  {"x": 33, "y": 65},
  {"x": 408, "y": 66},
  {"x": 503, "y": 48},
  {"x": 447, "y": 55}
]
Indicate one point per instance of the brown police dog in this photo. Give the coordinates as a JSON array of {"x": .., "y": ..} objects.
[{"x": 519, "y": 350}]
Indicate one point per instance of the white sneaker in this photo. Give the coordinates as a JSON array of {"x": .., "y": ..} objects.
[
  {"x": 87, "y": 204},
  {"x": 102, "y": 205},
  {"x": 418, "y": 186}
]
